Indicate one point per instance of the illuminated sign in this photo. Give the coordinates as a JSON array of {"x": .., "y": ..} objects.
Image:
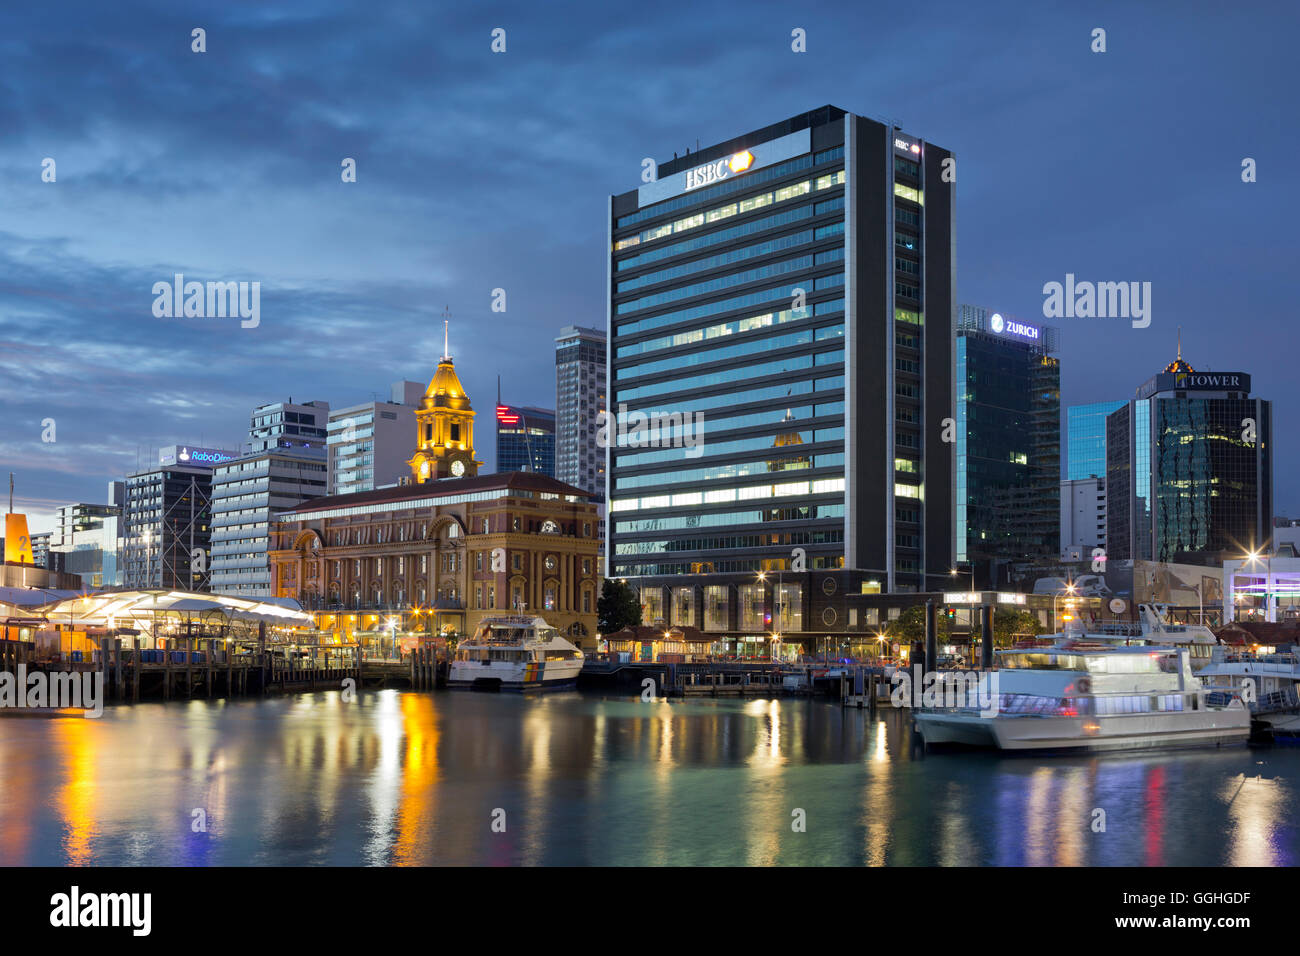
[
  {"x": 1206, "y": 380},
  {"x": 1001, "y": 326},
  {"x": 715, "y": 172},
  {"x": 505, "y": 416},
  {"x": 191, "y": 455},
  {"x": 961, "y": 597},
  {"x": 905, "y": 146},
  {"x": 1196, "y": 382}
]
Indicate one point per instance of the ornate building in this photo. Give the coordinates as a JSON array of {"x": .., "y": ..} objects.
[
  {"x": 450, "y": 547},
  {"x": 444, "y": 445}
]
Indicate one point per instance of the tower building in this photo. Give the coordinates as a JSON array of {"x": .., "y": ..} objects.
[{"x": 445, "y": 423}]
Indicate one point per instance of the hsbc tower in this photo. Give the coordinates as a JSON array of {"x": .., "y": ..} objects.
[{"x": 789, "y": 293}]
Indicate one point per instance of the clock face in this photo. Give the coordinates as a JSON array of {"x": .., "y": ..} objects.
[
  {"x": 458, "y": 468},
  {"x": 549, "y": 527},
  {"x": 550, "y": 563}
]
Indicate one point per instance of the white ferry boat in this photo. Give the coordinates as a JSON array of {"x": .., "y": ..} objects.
[
  {"x": 1073, "y": 697},
  {"x": 1151, "y": 629},
  {"x": 1268, "y": 684},
  {"x": 515, "y": 653}
]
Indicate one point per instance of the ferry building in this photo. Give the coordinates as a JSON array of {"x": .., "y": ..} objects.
[{"x": 447, "y": 547}]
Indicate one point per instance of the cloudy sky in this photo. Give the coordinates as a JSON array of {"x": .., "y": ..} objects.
[{"x": 479, "y": 170}]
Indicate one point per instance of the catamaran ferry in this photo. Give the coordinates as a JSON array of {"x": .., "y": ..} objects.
[
  {"x": 515, "y": 653},
  {"x": 1081, "y": 696},
  {"x": 1152, "y": 628}
]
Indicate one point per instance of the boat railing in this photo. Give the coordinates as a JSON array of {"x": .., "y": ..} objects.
[
  {"x": 1119, "y": 628},
  {"x": 1261, "y": 664}
]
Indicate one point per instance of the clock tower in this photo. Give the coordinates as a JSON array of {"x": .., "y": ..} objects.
[{"x": 445, "y": 427}]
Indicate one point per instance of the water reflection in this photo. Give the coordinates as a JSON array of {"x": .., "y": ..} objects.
[{"x": 418, "y": 779}]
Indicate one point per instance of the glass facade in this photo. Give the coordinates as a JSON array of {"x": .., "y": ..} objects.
[
  {"x": 580, "y": 389},
  {"x": 525, "y": 439},
  {"x": 1008, "y": 442},
  {"x": 1206, "y": 482},
  {"x": 733, "y": 311},
  {"x": 1185, "y": 477},
  {"x": 1085, "y": 439}
]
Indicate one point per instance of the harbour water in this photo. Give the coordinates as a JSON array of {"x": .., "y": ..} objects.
[{"x": 575, "y": 778}]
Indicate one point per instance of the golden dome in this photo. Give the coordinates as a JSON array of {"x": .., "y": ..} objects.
[{"x": 445, "y": 390}]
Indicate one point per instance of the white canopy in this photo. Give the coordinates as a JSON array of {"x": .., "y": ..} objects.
[{"x": 102, "y": 606}]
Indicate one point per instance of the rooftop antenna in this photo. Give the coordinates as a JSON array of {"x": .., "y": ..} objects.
[
  {"x": 1180, "y": 343},
  {"x": 446, "y": 347},
  {"x": 11, "y": 492}
]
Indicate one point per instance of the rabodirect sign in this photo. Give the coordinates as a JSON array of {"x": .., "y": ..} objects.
[{"x": 192, "y": 455}]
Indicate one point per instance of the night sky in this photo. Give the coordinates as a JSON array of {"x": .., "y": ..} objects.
[{"x": 478, "y": 171}]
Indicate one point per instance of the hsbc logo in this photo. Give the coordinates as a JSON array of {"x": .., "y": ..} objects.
[{"x": 716, "y": 172}]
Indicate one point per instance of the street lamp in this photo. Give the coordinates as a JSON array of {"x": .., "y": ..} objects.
[
  {"x": 1253, "y": 558},
  {"x": 391, "y": 624},
  {"x": 777, "y": 605},
  {"x": 1069, "y": 588}
]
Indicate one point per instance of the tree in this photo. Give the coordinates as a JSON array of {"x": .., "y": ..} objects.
[
  {"x": 618, "y": 607},
  {"x": 1009, "y": 623},
  {"x": 909, "y": 627}
]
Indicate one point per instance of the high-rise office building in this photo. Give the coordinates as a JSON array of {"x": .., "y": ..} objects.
[
  {"x": 369, "y": 443},
  {"x": 86, "y": 539},
  {"x": 525, "y": 439},
  {"x": 1085, "y": 439},
  {"x": 1083, "y": 517},
  {"x": 1008, "y": 442},
  {"x": 41, "y": 550},
  {"x": 581, "y": 371},
  {"x": 1189, "y": 468},
  {"x": 792, "y": 286},
  {"x": 286, "y": 464},
  {"x": 166, "y": 520}
]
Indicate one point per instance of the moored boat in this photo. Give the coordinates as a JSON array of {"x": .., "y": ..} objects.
[
  {"x": 1074, "y": 698},
  {"x": 515, "y": 653}
]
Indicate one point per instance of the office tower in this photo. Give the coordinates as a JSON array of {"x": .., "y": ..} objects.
[
  {"x": 285, "y": 465},
  {"x": 369, "y": 443},
  {"x": 87, "y": 537},
  {"x": 166, "y": 520},
  {"x": 790, "y": 286},
  {"x": 1083, "y": 517},
  {"x": 41, "y": 550},
  {"x": 1008, "y": 442},
  {"x": 580, "y": 388},
  {"x": 525, "y": 439},
  {"x": 1189, "y": 468},
  {"x": 1085, "y": 439}
]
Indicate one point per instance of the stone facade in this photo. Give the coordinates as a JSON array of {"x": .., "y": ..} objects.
[{"x": 457, "y": 549}]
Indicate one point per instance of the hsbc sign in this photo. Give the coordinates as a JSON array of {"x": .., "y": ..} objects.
[{"x": 711, "y": 173}]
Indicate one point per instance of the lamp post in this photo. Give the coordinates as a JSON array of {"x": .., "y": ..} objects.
[
  {"x": 1069, "y": 588},
  {"x": 1253, "y": 558},
  {"x": 777, "y": 604}
]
